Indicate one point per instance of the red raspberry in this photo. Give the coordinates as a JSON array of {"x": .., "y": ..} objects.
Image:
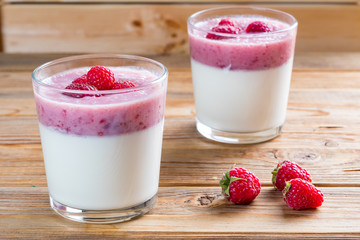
[
  {"x": 286, "y": 171},
  {"x": 227, "y": 22},
  {"x": 223, "y": 29},
  {"x": 123, "y": 84},
  {"x": 240, "y": 186},
  {"x": 300, "y": 194},
  {"x": 81, "y": 80},
  {"x": 257, "y": 27},
  {"x": 101, "y": 77},
  {"x": 77, "y": 86}
]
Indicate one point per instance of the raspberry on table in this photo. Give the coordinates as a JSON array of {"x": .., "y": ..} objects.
[
  {"x": 286, "y": 171},
  {"x": 300, "y": 194},
  {"x": 100, "y": 77},
  {"x": 240, "y": 186},
  {"x": 258, "y": 27},
  {"x": 77, "y": 86}
]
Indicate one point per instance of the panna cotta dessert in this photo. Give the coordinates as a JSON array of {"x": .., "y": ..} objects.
[
  {"x": 241, "y": 61},
  {"x": 101, "y": 132}
]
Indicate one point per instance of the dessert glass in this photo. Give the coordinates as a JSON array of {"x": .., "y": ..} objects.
[
  {"x": 102, "y": 151},
  {"x": 241, "y": 82}
]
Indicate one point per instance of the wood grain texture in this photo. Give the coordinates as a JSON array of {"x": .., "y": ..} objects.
[
  {"x": 156, "y": 28},
  {"x": 322, "y": 133},
  {"x": 303, "y": 60},
  {"x": 191, "y": 211},
  {"x": 340, "y": 2}
]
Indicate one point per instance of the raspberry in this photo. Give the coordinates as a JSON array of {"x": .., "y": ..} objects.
[
  {"x": 286, "y": 171},
  {"x": 257, "y": 27},
  {"x": 81, "y": 80},
  {"x": 101, "y": 77},
  {"x": 229, "y": 29},
  {"x": 300, "y": 194},
  {"x": 77, "y": 86},
  {"x": 227, "y": 22},
  {"x": 240, "y": 186},
  {"x": 123, "y": 84}
]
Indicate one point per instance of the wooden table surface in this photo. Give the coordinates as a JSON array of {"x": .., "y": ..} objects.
[{"x": 322, "y": 133}]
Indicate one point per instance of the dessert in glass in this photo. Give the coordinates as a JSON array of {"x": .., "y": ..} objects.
[
  {"x": 101, "y": 120},
  {"x": 241, "y": 62}
]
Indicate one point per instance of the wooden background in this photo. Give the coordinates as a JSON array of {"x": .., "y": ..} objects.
[
  {"x": 321, "y": 131},
  {"x": 158, "y": 26}
]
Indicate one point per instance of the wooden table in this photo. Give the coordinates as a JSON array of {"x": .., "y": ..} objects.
[{"x": 322, "y": 133}]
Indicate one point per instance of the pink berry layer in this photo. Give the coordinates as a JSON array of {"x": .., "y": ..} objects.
[
  {"x": 105, "y": 115},
  {"x": 246, "y": 51}
]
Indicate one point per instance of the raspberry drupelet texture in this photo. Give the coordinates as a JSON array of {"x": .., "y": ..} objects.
[
  {"x": 300, "y": 194},
  {"x": 81, "y": 80},
  {"x": 101, "y": 77},
  {"x": 257, "y": 27},
  {"x": 226, "y": 22},
  {"x": 227, "y": 26},
  {"x": 97, "y": 78},
  {"x": 286, "y": 171},
  {"x": 240, "y": 186},
  {"x": 77, "y": 86},
  {"x": 123, "y": 84}
]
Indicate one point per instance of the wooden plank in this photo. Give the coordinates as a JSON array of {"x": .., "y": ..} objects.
[
  {"x": 1, "y": 32},
  {"x": 321, "y": 133},
  {"x": 189, "y": 212},
  {"x": 198, "y": 162},
  {"x": 342, "y": 2},
  {"x": 180, "y": 80},
  {"x": 321, "y": 130},
  {"x": 156, "y": 28},
  {"x": 302, "y": 60}
]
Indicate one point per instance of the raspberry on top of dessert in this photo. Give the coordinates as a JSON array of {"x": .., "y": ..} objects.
[
  {"x": 242, "y": 42},
  {"x": 101, "y": 101}
]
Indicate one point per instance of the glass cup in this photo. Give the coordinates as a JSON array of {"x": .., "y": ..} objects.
[
  {"x": 241, "y": 81},
  {"x": 102, "y": 149}
]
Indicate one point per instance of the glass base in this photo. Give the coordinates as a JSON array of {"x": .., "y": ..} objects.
[
  {"x": 237, "y": 138},
  {"x": 102, "y": 216}
]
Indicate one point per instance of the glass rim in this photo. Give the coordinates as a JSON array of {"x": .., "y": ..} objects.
[
  {"x": 101, "y": 56},
  {"x": 290, "y": 28}
]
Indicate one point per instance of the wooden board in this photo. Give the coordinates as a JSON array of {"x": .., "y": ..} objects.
[
  {"x": 190, "y": 212},
  {"x": 156, "y": 28},
  {"x": 322, "y": 133},
  {"x": 335, "y": 126},
  {"x": 342, "y": 2}
]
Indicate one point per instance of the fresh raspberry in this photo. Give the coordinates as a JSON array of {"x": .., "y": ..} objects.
[
  {"x": 240, "y": 186},
  {"x": 286, "y": 171},
  {"x": 77, "y": 86},
  {"x": 227, "y": 22},
  {"x": 101, "y": 77},
  {"x": 223, "y": 29},
  {"x": 123, "y": 84},
  {"x": 81, "y": 80},
  {"x": 300, "y": 194},
  {"x": 257, "y": 27}
]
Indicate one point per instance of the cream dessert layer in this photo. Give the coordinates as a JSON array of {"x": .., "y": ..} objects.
[
  {"x": 241, "y": 81},
  {"x": 241, "y": 100},
  {"x": 99, "y": 173},
  {"x": 102, "y": 151}
]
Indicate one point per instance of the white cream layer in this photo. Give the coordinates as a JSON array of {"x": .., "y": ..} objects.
[
  {"x": 100, "y": 173},
  {"x": 241, "y": 100}
]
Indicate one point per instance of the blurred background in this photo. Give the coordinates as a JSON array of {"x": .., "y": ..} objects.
[{"x": 158, "y": 27}]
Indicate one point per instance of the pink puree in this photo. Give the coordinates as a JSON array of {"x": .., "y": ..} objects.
[
  {"x": 100, "y": 116},
  {"x": 248, "y": 51}
]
